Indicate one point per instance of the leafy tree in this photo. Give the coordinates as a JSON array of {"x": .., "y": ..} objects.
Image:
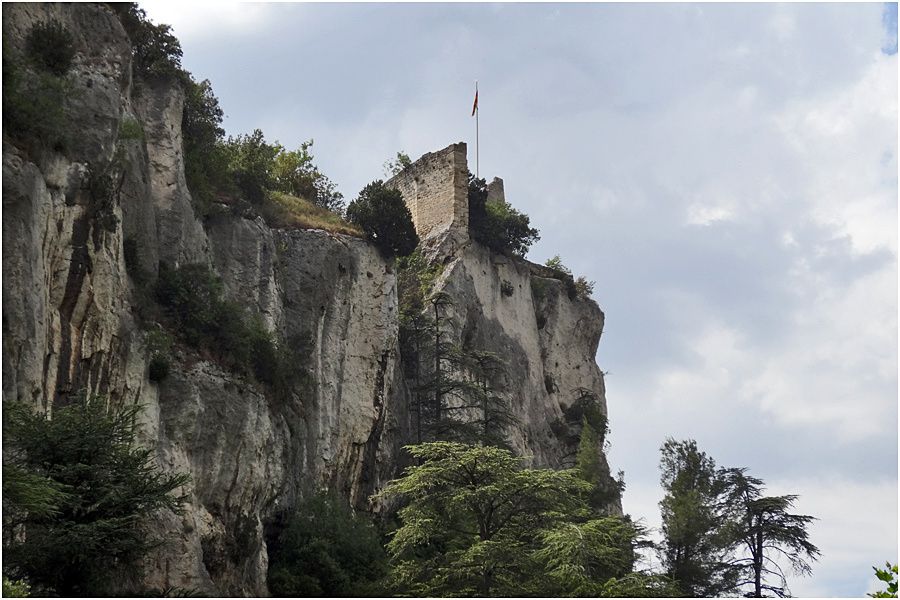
[
  {"x": 762, "y": 527},
  {"x": 296, "y": 174},
  {"x": 477, "y": 523},
  {"x": 251, "y": 161},
  {"x": 472, "y": 517},
  {"x": 693, "y": 552},
  {"x": 496, "y": 224},
  {"x": 394, "y": 166},
  {"x": 590, "y": 467},
  {"x": 383, "y": 215},
  {"x": 326, "y": 550},
  {"x": 156, "y": 52},
  {"x": 90, "y": 489},
  {"x": 205, "y": 156},
  {"x": 888, "y": 575}
]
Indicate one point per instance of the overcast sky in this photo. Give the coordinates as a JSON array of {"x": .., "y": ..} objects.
[{"x": 727, "y": 174}]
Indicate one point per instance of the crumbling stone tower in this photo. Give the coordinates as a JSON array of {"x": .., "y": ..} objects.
[{"x": 436, "y": 190}]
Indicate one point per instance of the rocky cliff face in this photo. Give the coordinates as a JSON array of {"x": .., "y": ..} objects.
[{"x": 69, "y": 322}]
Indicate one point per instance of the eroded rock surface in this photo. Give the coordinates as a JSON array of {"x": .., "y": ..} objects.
[{"x": 70, "y": 323}]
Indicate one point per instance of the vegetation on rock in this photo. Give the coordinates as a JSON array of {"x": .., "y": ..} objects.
[
  {"x": 496, "y": 224},
  {"x": 193, "y": 301},
  {"x": 384, "y": 217}
]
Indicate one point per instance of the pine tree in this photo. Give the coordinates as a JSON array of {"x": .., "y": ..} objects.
[{"x": 88, "y": 490}]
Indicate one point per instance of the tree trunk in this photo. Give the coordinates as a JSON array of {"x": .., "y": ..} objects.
[{"x": 758, "y": 562}]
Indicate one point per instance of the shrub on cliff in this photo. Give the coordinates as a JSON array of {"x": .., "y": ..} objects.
[
  {"x": 155, "y": 50},
  {"x": 296, "y": 174},
  {"x": 194, "y": 302},
  {"x": 496, "y": 224},
  {"x": 50, "y": 47},
  {"x": 576, "y": 288},
  {"x": 96, "y": 486},
  {"x": 326, "y": 550},
  {"x": 384, "y": 217}
]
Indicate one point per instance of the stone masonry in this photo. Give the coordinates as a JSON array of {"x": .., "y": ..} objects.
[{"x": 435, "y": 189}]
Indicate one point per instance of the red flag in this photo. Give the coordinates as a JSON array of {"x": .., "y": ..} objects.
[{"x": 475, "y": 106}]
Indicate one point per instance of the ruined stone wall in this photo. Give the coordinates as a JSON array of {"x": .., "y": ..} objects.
[{"x": 435, "y": 189}]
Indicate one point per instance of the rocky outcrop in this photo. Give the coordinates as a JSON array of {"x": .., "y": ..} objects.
[{"x": 71, "y": 322}]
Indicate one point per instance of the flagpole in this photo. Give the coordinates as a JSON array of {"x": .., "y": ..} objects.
[{"x": 477, "y": 162}]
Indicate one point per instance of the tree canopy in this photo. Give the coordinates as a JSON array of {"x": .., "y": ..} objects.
[
  {"x": 383, "y": 215},
  {"x": 721, "y": 535},
  {"x": 79, "y": 492},
  {"x": 477, "y": 522}
]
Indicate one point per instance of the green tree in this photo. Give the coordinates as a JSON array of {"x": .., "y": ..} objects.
[
  {"x": 394, "y": 166},
  {"x": 383, "y": 215},
  {"x": 888, "y": 575},
  {"x": 477, "y": 523},
  {"x": 326, "y": 550},
  {"x": 156, "y": 52},
  {"x": 88, "y": 525},
  {"x": 251, "y": 160},
  {"x": 763, "y": 529},
  {"x": 693, "y": 551},
  {"x": 496, "y": 224},
  {"x": 296, "y": 174},
  {"x": 206, "y": 165}
]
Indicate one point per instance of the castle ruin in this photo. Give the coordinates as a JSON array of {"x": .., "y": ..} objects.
[{"x": 436, "y": 190}]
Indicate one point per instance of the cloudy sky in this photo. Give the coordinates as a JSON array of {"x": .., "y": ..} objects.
[{"x": 727, "y": 174}]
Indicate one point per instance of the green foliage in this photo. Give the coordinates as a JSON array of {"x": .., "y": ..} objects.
[
  {"x": 477, "y": 523},
  {"x": 159, "y": 346},
  {"x": 251, "y": 161},
  {"x": 50, "y": 47},
  {"x": 693, "y": 552},
  {"x": 89, "y": 527},
  {"x": 130, "y": 129},
  {"x": 156, "y": 52},
  {"x": 384, "y": 217},
  {"x": 206, "y": 160},
  {"x": 576, "y": 288},
  {"x": 297, "y": 175},
  {"x": 194, "y": 303},
  {"x": 586, "y": 406},
  {"x": 589, "y": 466},
  {"x": 583, "y": 287},
  {"x": 720, "y": 532},
  {"x": 15, "y": 588},
  {"x": 326, "y": 550},
  {"x": 579, "y": 559},
  {"x": 760, "y": 525},
  {"x": 498, "y": 225},
  {"x": 34, "y": 105},
  {"x": 394, "y": 166},
  {"x": 888, "y": 576}
]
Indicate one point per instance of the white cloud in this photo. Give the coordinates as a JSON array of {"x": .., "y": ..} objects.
[{"x": 196, "y": 21}]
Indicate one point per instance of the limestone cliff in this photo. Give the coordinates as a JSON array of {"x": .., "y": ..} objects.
[{"x": 70, "y": 321}]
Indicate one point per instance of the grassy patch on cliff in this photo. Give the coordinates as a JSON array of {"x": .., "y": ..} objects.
[{"x": 284, "y": 211}]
